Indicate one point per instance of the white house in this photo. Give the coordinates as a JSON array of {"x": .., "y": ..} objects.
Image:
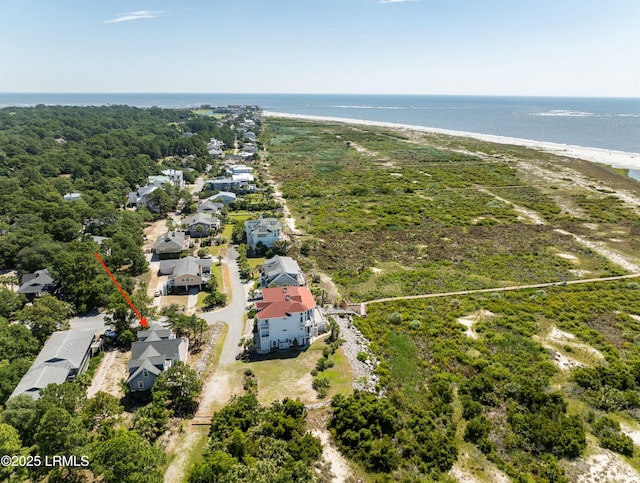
[
  {"x": 263, "y": 230},
  {"x": 287, "y": 317},
  {"x": 140, "y": 197},
  {"x": 72, "y": 196},
  {"x": 175, "y": 177}
]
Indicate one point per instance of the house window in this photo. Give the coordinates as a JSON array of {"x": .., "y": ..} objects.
[
  {"x": 145, "y": 373},
  {"x": 140, "y": 384}
]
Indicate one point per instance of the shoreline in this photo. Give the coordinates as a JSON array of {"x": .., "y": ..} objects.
[{"x": 609, "y": 157}]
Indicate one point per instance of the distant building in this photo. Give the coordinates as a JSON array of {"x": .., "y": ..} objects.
[
  {"x": 287, "y": 317},
  {"x": 36, "y": 284},
  {"x": 238, "y": 185},
  {"x": 212, "y": 207},
  {"x": 225, "y": 197},
  {"x": 176, "y": 177},
  {"x": 263, "y": 230},
  {"x": 65, "y": 355},
  {"x": 140, "y": 197},
  {"x": 72, "y": 197},
  {"x": 202, "y": 224}
]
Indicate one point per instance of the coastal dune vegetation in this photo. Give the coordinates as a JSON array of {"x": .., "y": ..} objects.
[{"x": 533, "y": 385}]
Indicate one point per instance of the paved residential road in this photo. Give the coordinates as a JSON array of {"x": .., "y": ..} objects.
[
  {"x": 501, "y": 289},
  {"x": 232, "y": 314}
]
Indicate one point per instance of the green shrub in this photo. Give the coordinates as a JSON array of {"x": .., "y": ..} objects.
[{"x": 321, "y": 384}]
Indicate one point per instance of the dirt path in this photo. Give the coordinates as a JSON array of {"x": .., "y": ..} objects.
[
  {"x": 107, "y": 378},
  {"x": 339, "y": 465},
  {"x": 98, "y": 378},
  {"x": 501, "y": 289},
  {"x": 605, "y": 252}
]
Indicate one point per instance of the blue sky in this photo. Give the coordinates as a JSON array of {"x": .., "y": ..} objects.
[{"x": 492, "y": 47}]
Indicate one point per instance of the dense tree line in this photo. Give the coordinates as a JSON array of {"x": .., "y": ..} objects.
[
  {"x": 64, "y": 422},
  {"x": 101, "y": 153},
  {"x": 250, "y": 443}
]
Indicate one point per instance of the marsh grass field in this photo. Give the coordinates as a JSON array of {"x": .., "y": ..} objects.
[
  {"x": 542, "y": 385},
  {"x": 391, "y": 213}
]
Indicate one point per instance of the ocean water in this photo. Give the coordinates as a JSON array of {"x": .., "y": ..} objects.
[{"x": 607, "y": 123}]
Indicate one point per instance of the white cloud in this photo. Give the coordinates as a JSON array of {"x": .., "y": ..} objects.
[{"x": 138, "y": 15}]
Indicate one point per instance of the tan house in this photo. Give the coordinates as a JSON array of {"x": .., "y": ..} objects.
[{"x": 187, "y": 272}]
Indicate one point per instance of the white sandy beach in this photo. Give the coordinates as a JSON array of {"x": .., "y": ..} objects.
[{"x": 617, "y": 159}]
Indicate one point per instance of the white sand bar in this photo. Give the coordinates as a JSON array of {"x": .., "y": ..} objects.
[{"x": 617, "y": 159}]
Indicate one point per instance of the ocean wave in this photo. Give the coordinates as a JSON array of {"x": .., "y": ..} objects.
[
  {"x": 563, "y": 113},
  {"x": 339, "y": 106}
]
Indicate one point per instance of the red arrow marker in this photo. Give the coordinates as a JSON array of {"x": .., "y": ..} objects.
[{"x": 143, "y": 321}]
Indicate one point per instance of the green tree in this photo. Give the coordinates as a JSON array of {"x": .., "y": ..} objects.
[
  {"x": 179, "y": 386},
  {"x": 127, "y": 458},
  {"x": 46, "y": 315},
  {"x": 68, "y": 395},
  {"x": 100, "y": 411},
  {"x": 10, "y": 445},
  {"x": 60, "y": 433},
  {"x": 151, "y": 421},
  {"x": 10, "y": 302},
  {"x": 21, "y": 413}
]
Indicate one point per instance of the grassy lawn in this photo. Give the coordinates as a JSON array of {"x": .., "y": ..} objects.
[
  {"x": 216, "y": 271},
  {"x": 288, "y": 374},
  {"x": 255, "y": 262},
  {"x": 340, "y": 375}
]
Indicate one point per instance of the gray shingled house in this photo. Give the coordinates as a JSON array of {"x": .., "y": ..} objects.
[
  {"x": 202, "y": 224},
  {"x": 36, "y": 284},
  {"x": 172, "y": 242},
  {"x": 156, "y": 350},
  {"x": 65, "y": 355},
  {"x": 281, "y": 272}
]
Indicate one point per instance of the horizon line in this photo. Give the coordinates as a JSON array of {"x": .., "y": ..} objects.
[{"x": 316, "y": 94}]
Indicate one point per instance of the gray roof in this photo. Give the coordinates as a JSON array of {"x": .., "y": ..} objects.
[
  {"x": 209, "y": 205},
  {"x": 172, "y": 240},
  {"x": 39, "y": 378},
  {"x": 156, "y": 331},
  {"x": 156, "y": 352},
  {"x": 35, "y": 282},
  {"x": 63, "y": 352},
  {"x": 65, "y": 349},
  {"x": 186, "y": 266},
  {"x": 273, "y": 267},
  {"x": 203, "y": 218}
]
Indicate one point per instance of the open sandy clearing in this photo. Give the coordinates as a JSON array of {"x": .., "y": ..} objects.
[
  {"x": 470, "y": 320},
  {"x": 600, "y": 249},
  {"x": 602, "y": 467},
  {"x": 558, "y": 341}
]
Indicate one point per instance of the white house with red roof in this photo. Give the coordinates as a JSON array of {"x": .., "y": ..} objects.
[{"x": 285, "y": 315}]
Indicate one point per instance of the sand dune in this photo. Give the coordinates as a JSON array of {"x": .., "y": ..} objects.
[{"x": 617, "y": 159}]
